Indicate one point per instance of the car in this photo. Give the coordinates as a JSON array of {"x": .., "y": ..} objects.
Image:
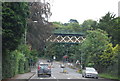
[
  {"x": 44, "y": 69},
  {"x": 89, "y": 72},
  {"x": 50, "y": 61},
  {"x": 62, "y": 65}
]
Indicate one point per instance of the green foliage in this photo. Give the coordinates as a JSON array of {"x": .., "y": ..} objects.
[
  {"x": 67, "y": 28},
  {"x": 109, "y": 76},
  {"x": 13, "y": 27},
  {"x": 12, "y": 63},
  {"x": 12, "y": 21},
  {"x": 111, "y": 25},
  {"x": 89, "y": 25},
  {"x": 93, "y": 47},
  {"x": 108, "y": 56},
  {"x": 34, "y": 55},
  {"x": 18, "y": 61},
  {"x": 59, "y": 50}
]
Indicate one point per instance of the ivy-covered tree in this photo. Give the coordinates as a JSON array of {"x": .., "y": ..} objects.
[{"x": 14, "y": 16}]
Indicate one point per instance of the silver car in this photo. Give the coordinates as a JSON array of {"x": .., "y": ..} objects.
[
  {"x": 90, "y": 72},
  {"x": 44, "y": 69}
]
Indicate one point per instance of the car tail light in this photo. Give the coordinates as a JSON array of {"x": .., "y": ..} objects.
[
  {"x": 49, "y": 67},
  {"x": 38, "y": 67}
]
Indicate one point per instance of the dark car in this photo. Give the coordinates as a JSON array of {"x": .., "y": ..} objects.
[
  {"x": 49, "y": 61},
  {"x": 44, "y": 69}
]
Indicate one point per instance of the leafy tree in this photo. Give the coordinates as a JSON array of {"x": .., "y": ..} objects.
[
  {"x": 89, "y": 25},
  {"x": 105, "y": 22},
  {"x": 73, "y": 21},
  {"x": 74, "y": 27},
  {"x": 38, "y": 25},
  {"x": 93, "y": 47},
  {"x": 108, "y": 56},
  {"x": 111, "y": 25},
  {"x": 13, "y": 23},
  {"x": 13, "y": 27},
  {"x": 67, "y": 28},
  {"x": 115, "y": 30}
]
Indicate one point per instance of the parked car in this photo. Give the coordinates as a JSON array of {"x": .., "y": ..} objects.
[
  {"x": 90, "y": 72},
  {"x": 44, "y": 69}
]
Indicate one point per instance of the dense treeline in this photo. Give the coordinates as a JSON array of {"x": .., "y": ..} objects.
[
  {"x": 100, "y": 49},
  {"x": 22, "y": 20},
  {"x": 13, "y": 27},
  {"x": 21, "y": 37}
]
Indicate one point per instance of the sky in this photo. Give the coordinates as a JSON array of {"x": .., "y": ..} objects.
[{"x": 81, "y": 10}]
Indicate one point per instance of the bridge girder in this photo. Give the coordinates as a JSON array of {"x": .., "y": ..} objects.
[{"x": 66, "y": 38}]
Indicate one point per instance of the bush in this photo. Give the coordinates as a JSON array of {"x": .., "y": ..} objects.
[
  {"x": 26, "y": 66},
  {"x": 9, "y": 65},
  {"x": 17, "y": 61}
]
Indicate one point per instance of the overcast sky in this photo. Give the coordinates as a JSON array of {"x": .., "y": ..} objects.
[{"x": 64, "y": 10}]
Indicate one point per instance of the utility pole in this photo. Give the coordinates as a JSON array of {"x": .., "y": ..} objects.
[
  {"x": 81, "y": 61},
  {"x": 25, "y": 35}
]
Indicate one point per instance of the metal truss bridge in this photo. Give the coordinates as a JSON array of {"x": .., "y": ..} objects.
[{"x": 66, "y": 38}]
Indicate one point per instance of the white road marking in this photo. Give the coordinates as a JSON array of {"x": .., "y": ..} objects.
[
  {"x": 33, "y": 76},
  {"x": 68, "y": 78},
  {"x": 54, "y": 77}
]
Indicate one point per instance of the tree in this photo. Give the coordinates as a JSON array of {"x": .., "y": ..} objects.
[
  {"x": 73, "y": 21},
  {"x": 108, "y": 56},
  {"x": 13, "y": 28},
  {"x": 89, "y": 25},
  {"x": 93, "y": 47},
  {"x": 38, "y": 25},
  {"x": 13, "y": 24},
  {"x": 74, "y": 27},
  {"x": 111, "y": 25},
  {"x": 105, "y": 22}
]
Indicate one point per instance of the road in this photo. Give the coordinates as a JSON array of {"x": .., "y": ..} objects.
[{"x": 58, "y": 75}]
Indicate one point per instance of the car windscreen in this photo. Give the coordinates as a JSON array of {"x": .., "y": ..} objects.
[
  {"x": 43, "y": 66},
  {"x": 90, "y": 69}
]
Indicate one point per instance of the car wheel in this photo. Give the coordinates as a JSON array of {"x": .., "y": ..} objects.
[
  {"x": 38, "y": 75},
  {"x": 85, "y": 76},
  {"x": 96, "y": 77},
  {"x": 82, "y": 76},
  {"x": 49, "y": 75}
]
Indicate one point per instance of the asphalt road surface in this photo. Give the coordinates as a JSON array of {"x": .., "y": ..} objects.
[{"x": 58, "y": 75}]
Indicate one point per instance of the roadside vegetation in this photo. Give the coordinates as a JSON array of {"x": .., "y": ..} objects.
[
  {"x": 104, "y": 75},
  {"x": 100, "y": 49},
  {"x": 20, "y": 42},
  {"x": 24, "y": 33}
]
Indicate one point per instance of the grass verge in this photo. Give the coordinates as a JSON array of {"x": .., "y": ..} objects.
[{"x": 108, "y": 76}]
